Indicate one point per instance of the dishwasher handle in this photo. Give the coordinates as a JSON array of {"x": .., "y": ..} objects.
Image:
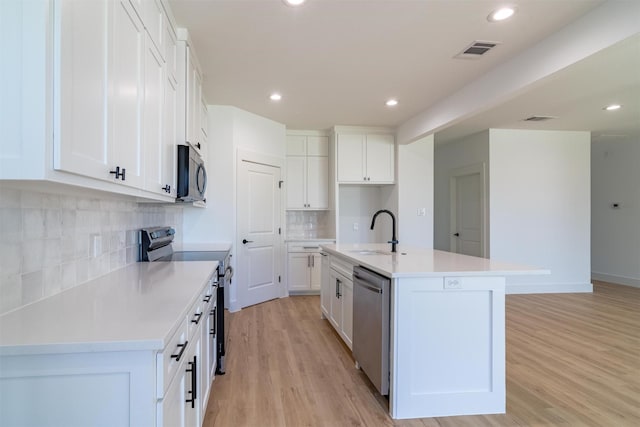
[{"x": 366, "y": 286}]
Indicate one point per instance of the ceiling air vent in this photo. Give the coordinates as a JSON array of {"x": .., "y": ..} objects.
[
  {"x": 476, "y": 49},
  {"x": 539, "y": 118}
]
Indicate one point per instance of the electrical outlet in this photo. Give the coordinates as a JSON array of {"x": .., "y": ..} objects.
[
  {"x": 452, "y": 284},
  {"x": 422, "y": 211},
  {"x": 356, "y": 226}
]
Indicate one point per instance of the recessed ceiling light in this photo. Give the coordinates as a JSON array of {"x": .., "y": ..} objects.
[
  {"x": 501, "y": 14},
  {"x": 612, "y": 107},
  {"x": 275, "y": 97},
  {"x": 293, "y": 2},
  {"x": 392, "y": 103}
]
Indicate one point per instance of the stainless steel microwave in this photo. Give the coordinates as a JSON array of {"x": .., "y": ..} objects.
[{"x": 192, "y": 175}]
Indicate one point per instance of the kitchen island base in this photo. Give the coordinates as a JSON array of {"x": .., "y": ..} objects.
[
  {"x": 446, "y": 329},
  {"x": 447, "y": 347}
]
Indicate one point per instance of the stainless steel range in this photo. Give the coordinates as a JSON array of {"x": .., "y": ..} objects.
[{"x": 156, "y": 245}]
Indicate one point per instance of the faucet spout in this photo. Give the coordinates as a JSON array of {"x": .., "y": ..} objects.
[{"x": 394, "y": 240}]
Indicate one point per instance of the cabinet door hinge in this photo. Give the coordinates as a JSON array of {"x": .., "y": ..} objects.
[
  {"x": 279, "y": 230},
  {"x": 280, "y": 184},
  {"x": 279, "y": 279}
]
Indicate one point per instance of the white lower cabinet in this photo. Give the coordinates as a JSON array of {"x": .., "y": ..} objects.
[
  {"x": 337, "y": 294},
  {"x": 169, "y": 388},
  {"x": 78, "y": 389},
  {"x": 303, "y": 267},
  {"x": 325, "y": 285}
]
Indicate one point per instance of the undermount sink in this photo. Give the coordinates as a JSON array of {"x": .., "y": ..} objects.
[{"x": 370, "y": 252}]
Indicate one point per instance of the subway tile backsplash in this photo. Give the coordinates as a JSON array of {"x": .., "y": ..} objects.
[
  {"x": 48, "y": 241},
  {"x": 308, "y": 225}
]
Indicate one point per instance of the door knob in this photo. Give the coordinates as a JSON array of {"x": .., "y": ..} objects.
[
  {"x": 245, "y": 241},
  {"x": 456, "y": 234}
]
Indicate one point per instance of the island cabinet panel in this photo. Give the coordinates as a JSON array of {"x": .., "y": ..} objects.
[
  {"x": 74, "y": 389},
  {"x": 448, "y": 346}
]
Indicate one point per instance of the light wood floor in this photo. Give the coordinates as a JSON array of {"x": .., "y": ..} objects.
[{"x": 572, "y": 360}]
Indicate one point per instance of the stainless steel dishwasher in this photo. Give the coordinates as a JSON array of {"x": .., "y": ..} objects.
[{"x": 371, "y": 325}]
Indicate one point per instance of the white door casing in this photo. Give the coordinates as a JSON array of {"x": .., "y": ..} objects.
[
  {"x": 259, "y": 237},
  {"x": 468, "y": 226}
]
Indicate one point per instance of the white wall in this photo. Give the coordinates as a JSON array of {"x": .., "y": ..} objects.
[
  {"x": 230, "y": 130},
  {"x": 540, "y": 207},
  {"x": 357, "y": 204},
  {"x": 468, "y": 151},
  {"x": 415, "y": 191},
  {"x": 615, "y": 233}
]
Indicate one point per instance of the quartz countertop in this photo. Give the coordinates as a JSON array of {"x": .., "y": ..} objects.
[
  {"x": 211, "y": 246},
  {"x": 137, "y": 307},
  {"x": 419, "y": 262},
  {"x": 310, "y": 239}
]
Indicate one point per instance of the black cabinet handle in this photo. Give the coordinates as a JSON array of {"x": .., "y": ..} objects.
[
  {"x": 198, "y": 145},
  {"x": 213, "y": 330},
  {"x": 206, "y": 298},
  {"x": 245, "y": 241},
  {"x": 167, "y": 188},
  {"x": 117, "y": 173},
  {"x": 182, "y": 348},
  {"x": 456, "y": 234},
  {"x": 193, "y": 368},
  {"x": 196, "y": 319}
]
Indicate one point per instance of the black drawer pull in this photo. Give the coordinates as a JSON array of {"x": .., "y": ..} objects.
[
  {"x": 182, "y": 348},
  {"x": 196, "y": 320},
  {"x": 207, "y": 298},
  {"x": 194, "y": 379}
]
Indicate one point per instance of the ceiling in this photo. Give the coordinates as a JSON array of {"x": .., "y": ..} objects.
[
  {"x": 576, "y": 97},
  {"x": 336, "y": 62}
]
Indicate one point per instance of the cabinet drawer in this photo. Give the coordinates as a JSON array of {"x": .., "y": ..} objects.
[
  {"x": 341, "y": 266},
  {"x": 171, "y": 358},
  {"x": 196, "y": 314},
  {"x": 304, "y": 247}
]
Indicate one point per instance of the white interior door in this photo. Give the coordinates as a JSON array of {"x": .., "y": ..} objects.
[
  {"x": 259, "y": 229},
  {"x": 467, "y": 214}
]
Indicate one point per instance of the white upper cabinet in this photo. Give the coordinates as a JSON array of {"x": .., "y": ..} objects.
[
  {"x": 154, "y": 86},
  {"x": 127, "y": 79},
  {"x": 307, "y": 177},
  {"x": 100, "y": 82},
  {"x": 365, "y": 158},
  {"x": 380, "y": 158},
  {"x": 190, "y": 99},
  {"x": 101, "y": 97},
  {"x": 81, "y": 142}
]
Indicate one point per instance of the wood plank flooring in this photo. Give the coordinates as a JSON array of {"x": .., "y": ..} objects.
[{"x": 572, "y": 360}]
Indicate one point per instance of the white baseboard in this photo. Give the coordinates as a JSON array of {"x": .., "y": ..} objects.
[
  {"x": 619, "y": 280},
  {"x": 548, "y": 288}
]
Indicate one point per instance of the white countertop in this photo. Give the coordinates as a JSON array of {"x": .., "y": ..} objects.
[
  {"x": 419, "y": 262},
  {"x": 210, "y": 246},
  {"x": 135, "y": 308},
  {"x": 300, "y": 239}
]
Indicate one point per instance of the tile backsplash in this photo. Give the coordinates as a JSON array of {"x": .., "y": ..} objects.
[
  {"x": 51, "y": 242},
  {"x": 308, "y": 225}
]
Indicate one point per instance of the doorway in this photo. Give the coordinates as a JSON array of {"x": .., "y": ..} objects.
[
  {"x": 259, "y": 233},
  {"x": 468, "y": 219}
]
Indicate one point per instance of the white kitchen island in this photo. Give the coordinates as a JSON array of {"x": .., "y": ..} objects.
[{"x": 447, "y": 326}]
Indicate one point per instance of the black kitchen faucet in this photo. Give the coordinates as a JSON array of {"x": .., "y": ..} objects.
[{"x": 394, "y": 240}]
